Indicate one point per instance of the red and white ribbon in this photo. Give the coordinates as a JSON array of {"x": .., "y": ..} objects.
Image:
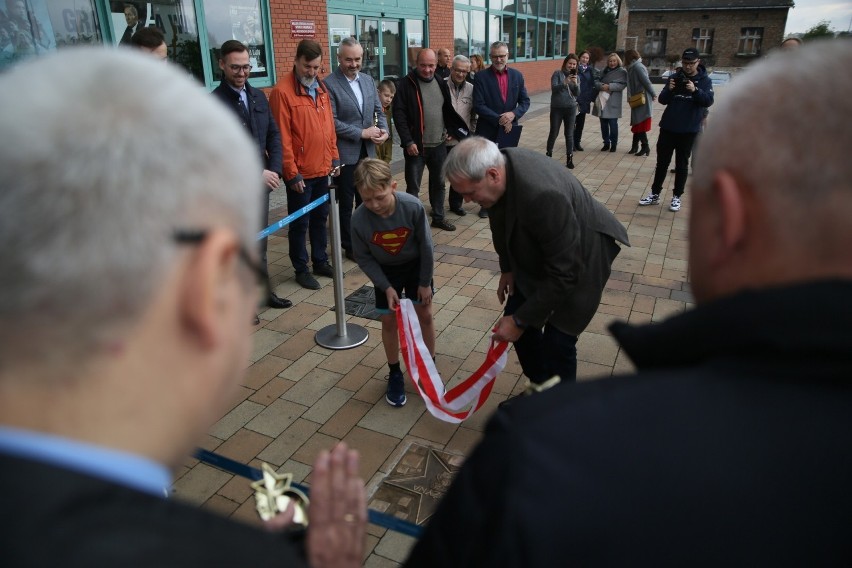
[{"x": 474, "y": 390}]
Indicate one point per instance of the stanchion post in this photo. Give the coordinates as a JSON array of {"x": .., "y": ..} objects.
[{"x": 342, "y": 335}]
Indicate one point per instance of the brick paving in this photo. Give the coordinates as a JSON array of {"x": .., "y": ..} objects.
[{"x": 298, "y": 397}]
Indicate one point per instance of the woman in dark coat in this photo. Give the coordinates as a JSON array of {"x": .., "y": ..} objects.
[{"x": 586, "y": 76}]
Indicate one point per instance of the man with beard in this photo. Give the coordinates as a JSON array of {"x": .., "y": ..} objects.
[{"x": 302, "y": 108}]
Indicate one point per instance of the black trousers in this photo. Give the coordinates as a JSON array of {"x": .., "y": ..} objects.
[
  {"x": 579, "y": 123},
  {"x": 432, "y": 158},
  {"x": 558, "y": 117},
  {"x": 677, "y": 143}
]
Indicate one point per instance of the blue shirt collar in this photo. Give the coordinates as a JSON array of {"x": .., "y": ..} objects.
[{"x": 123, "y": 468}]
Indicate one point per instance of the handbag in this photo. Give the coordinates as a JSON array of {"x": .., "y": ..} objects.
[
  {"x": 637, "y": 100},
  {"x": 600, "y": 103}
]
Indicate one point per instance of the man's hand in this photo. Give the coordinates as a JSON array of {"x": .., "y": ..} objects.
[
  {"x": 393, "y": 297},
  {"x": 372, "y": 132},
  {"x": 506, "y": 286},
  {"x": 506, "y": 118},
  {"x": 335, "y": 172},
  {"x": 298, "y": 186},
  {"x": 506, "y": 330},
  {"x": 672, "y": 84},
  {"x": 380, "y": 139},
  {"x": 508, "y": 127},
  {"x": 338, "y": 511},
  {"x": 271, "y": 179},
  {"x": 690, "y": 86},
  {"x": 411, "y": 150},
  {"x": 424, "y": 294}
]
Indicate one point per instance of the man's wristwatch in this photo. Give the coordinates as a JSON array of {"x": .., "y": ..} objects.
[{"x": 518, "y": 322}]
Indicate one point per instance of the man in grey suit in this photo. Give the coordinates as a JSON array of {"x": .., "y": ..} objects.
[
  {"x": 359, "y": 122},
  {"x": 556, "y": 245}
]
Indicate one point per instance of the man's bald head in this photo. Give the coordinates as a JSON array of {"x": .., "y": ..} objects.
[
  {"x": 773, "y": 180},
  {"x": 426, "y": 63}
]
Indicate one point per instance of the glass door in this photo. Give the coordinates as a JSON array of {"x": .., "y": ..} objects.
[
  {"x": 368, "y": 36},
  {"x": 391, "y": 50}
]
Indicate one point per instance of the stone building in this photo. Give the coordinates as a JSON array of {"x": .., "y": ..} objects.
[{"x": 727, "y": 33}]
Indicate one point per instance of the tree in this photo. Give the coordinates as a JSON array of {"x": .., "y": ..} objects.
[
  {"x": 819, "y": 31},
  {"x": 596, "y": 24}
]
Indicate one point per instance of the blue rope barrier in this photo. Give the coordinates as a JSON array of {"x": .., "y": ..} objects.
[
  {"x": 243, "y": 470},
  {"x": 291, "y": 217}
]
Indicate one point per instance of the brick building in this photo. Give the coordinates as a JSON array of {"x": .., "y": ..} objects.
[
  {"x": 727, "y": 33},
  {"x": 539, "y": 32}
]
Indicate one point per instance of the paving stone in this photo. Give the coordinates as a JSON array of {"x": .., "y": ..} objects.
[
  {"x": 200, "y": 483},
  {"x": 391, "y": 420},
  {"x": 288, "y": 442},
  {"x": 345, "y": 418},
  {"x": 395, "y": 546},
  {"x": 276, "y": 417},
  {"x": 302, "y": 366},
  {"x": 261, "y": 372},
  {"x": 228, "y": 425},
  {"x": 271, "y": 391},
  {"x": 327, "y": 405},
  {"x": 373, "y": 446},
  {"x": 244, "y": 445},
  {"x": 265, "y": 340},
  {"x": 597, "y": 348}
]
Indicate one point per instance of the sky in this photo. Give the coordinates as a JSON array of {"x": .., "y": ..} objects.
[{"x": 809, "y": 13}]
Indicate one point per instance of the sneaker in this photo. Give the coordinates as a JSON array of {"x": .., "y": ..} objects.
[
  {"x": 305, "y": 280},
  {"x": 396, "y": 390},
  {"x": 675, "y": 206},
  {"x": 443, "y": 224},
  {"x": 324, "y": 270},
  {"x": 650, "y": 199}
]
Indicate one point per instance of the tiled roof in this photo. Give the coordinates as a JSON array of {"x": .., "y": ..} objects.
[{"x": 654, "y": 5}]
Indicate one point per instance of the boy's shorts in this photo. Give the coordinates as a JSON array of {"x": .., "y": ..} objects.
[{"x": 403, "y": 277}]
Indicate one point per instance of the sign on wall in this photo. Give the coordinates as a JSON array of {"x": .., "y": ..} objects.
[{"x": 303, "y": 29}]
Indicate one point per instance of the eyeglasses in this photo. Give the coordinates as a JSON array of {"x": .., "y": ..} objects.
[
  {"x": 238, "y": 68},
  {"x": 685, "y": 63},
  {"x": 499, "y": 55},
  {"x": 264, "y": 290}
]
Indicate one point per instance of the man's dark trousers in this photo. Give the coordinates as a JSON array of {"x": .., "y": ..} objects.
[
  {"x": 455, "y": 199},
  {"x": 432, "y": 158},
  {"x": 346, "y": 192},
  {"x": 313, "y": 223},
  {"x": 679, "y": 143},
  {"x": 546, "y": 352}
]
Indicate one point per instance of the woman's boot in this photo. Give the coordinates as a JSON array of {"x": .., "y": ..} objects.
[
  {"x": 570, "y": 164},
  {"x": 635, "y": 147},
  {"x": 646, "y": 149}
]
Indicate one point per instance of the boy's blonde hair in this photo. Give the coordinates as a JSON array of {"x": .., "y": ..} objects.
[{"x": 372, "y": 174}]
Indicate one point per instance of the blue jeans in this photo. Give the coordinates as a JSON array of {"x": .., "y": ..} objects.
[
  {"x": 609, "y": 131},
  {"x": 544, "y": 353},
  {"x": 313, "y": 222},
  {"x": 432, "y": 158}
]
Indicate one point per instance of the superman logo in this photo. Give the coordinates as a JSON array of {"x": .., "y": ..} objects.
[{"x": 391, "y": 241}]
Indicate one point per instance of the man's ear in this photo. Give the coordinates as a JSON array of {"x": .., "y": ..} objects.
[
  {"x": 732, "y": 197},
  {"x": 205, "y": 286}
]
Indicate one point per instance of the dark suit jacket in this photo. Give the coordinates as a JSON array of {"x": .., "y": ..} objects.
[
  {"x": 129, "y": 33},
  {"x": 350, "y": 119},
  {"x": 729, "y": 447},
  {"x": 56, "y": 517},
  {"x": 262, "y": 126},
  {"x": 557, "y": 240},
  {"x": 489, "y": 105}
]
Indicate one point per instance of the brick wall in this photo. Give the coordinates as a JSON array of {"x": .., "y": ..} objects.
[
  {"x": 726, "y": 25},
  {"x": 440, "y": 20},
  {"x": 284, "y": 46}
]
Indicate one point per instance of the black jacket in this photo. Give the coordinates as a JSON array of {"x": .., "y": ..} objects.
[
  {"x": 262, "y": 126},
  {"x": 408, "y": 112},
  {"x": 729, "y": 447}
]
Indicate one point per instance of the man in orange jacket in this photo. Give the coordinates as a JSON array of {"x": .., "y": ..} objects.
[{"x": 302, "y": 109}]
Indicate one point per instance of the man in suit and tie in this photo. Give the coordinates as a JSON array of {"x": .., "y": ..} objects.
[
  {"x": 556, "y": 245},
  {"x": 134, "y": 24},
  {"x": 252, "y": 109},
  {"x": 102, "y": 399},
  {"x": 499, "y": 98},
  {"x": 359, "y": 122}
]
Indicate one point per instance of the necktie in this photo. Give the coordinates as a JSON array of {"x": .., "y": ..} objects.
[{"x": 243, "y": 111}]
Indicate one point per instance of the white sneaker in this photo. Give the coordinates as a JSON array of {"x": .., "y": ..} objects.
[
  {"x": 675, "y": 206},
  {"x": 650, "y": 199}
]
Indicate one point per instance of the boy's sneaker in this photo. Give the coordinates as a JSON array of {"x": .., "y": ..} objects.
[
  {"x": 650, "y": 199},
  {"x": 396, "y": 389},
  {"x": 675, "y": 206}
]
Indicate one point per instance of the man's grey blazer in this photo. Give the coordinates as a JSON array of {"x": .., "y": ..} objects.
[{"x": 349, "y": 119}]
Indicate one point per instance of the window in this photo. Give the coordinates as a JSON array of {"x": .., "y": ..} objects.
[
  {"x": 241, "y": 20},
  {"x": 477, "y": 33},
  {"x": 30, "y": 28},
  {"x": 703, "y": 38},
  {"x": 750, "y": 41},
  {"x": 655, "y": 43},
  {"x": 461, "y": 25}
]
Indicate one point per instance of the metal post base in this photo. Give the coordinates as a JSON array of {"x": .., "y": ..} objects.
[{"x": 329, "y": 338}]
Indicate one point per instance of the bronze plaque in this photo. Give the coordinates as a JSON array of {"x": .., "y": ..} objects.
[{"x": 416, "y": 484}]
